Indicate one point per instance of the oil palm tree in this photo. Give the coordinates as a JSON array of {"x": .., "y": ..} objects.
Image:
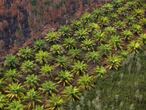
[
  {"x": 136, "y": 28},
  {"x": 11, "y": 74},
  {"x": 32, "y": 81},
  {"x": 86, "y": 18},
  {"x": 53, "y": 36},
  {"x": 139, "y": 13},
  {"x": 56, "y": 102},
  {"x": 65, "y": 31},
  {"x": 115, "y": 42},
  {"x": 31, "y": 98},
  {"x": 38, "y": 107},
  {"x": 110, "y": 30},
  {"x": 127, "y": 35},
  {"x": 65, "y": 77},
  {"x": 25, "y": 53},
  {"x": 100, "y": 71},
  {"x": 40, "y": 44},
  {"x": 69, "y": 43},
  {"x": 135, "y": 47},
  {"x": 11, "y": 61},
  {"x": 81, "y": 34},
  {"x": 63, "y": 61},
  {"x": 93, "y": 27},
  {"x": 100, "y": 37},
  {"x": 43, "y": 57},
  {"x": 143, "y": 38},
  {"x": 47, "y": 70},
  {"x": 27, "y": 66},
  {"x": 93, "y": 56},
  {"x": 15, "y": 105},
  {"x": 74, "y": 53},
  {"x": 85, "y": 82},
  {"x": 15, "y": 91},
  {"x": 105, "y": 49},
  {"x": 79, "y": 67},
  {"x": 2, "y": 84},
  {"x": 87, "y": 44},
  {"x": 120, "y": 25},
  {"x": 49, "y": 87},
  {"x": 3, "y": 101},
  {"x": 104, "y": 21},
  {"x": 107, "y": 8},
  {"x": 57, "y": 49},
  {"x": 72, "y": 93},
  {"x": 114, "y": 62}
]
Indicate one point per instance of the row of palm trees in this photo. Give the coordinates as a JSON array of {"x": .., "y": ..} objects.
[{"x": 66, "y": 62}]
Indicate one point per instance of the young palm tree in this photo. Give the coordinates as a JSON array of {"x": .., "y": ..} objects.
[
  {"x": 3, "y": 101},
  {"x": 86, "y": 17},
  {"x": 11, "y": 74},
  {"x": 65, "y": 31},
  {"x": 134, "y": 47},
  {"x": 38, "y": 107},
  {"x": 110, "y": 30},
  {"x": 40, "y": 44},
  {"x": 127, "y": 35},
  {"x": 49, "y": 87},
  {"x": 79, "y": 67},
  {"x": 93, "y": 57},
  {"x": 27, "y": 66},
  {"x": 104, "y": 21},
  {"x": 118, "y": 3},
  {"x": 108, "y": 7},
  {"x": 93, "y": 27},
  {"x": 100, "y": 71},
  {"x": 87, "y": 44},
  {"x": 57, "y": 49},
  {"x": 81, "y": 34},
  {"x": 25, "y": 53},
  {"x": 69, "y": 43},
  {"x": 85, "y": 82},
  {"x": 120, "y": 25},
  {"x": 100, "y": 37},
  {"x": 74, "y": 53},
  {"x": 65, "y": 77},
  {"x": 63, "y": 61},
  {"x": 56, "y": 102},
  {"x": 2, "y": 84},
  {"x": 77, "y": 25},
  {"x": 31, "y": 81},
  {"x": 72, "y": 93},
  {"x": 32, "y": 97},
  {"x": 43, "y": 57},
  {"x": 46, "y": 69},
  {"x": 15, "y": 105},
  {"x": 114, "y": 62},
  {"x": 115, "y": 42},
  {"x": 14, "y": 91},
  {"x": 114, "y": 17},
  {"x": 122, "y": 11},
  {"x": 53, "y": 36},
  {"x": 143, "y": 38},
  {"x": 105, "y": 49},
  {"x": 137, "y": 28},
  {"x": 11, "y": 61},
  {"x": 139, "y": 13}
]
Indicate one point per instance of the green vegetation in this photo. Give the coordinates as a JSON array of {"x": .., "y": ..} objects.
[{"x": 64, "y": 64}]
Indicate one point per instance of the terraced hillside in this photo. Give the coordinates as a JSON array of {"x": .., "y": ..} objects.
[{"x": 61, "y": 66}]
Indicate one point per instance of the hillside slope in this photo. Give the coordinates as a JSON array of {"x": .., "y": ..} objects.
[{"x": 61, "y": 66}]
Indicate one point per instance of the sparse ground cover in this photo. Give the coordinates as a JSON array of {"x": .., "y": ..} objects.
[{"x": 60, "y": 67}]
